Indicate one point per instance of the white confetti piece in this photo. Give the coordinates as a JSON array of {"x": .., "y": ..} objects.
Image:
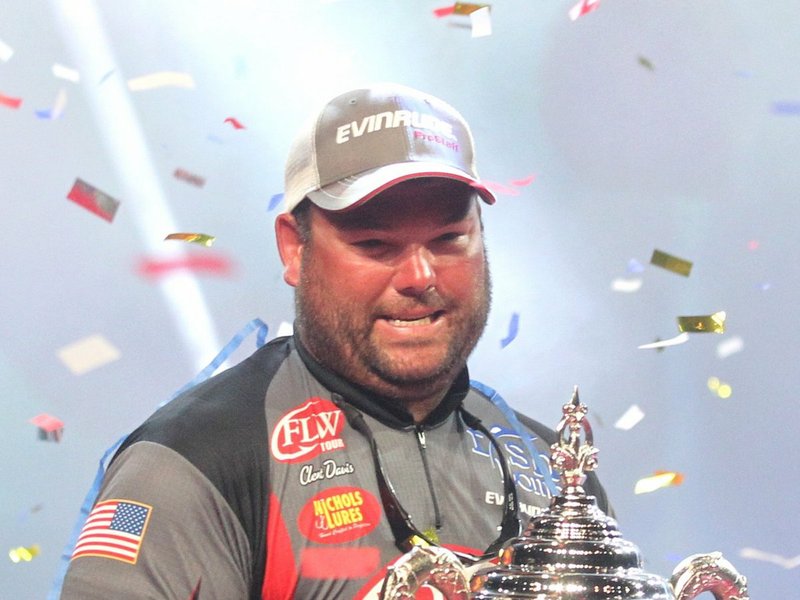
[
  {"x": 731, "y": 346},
  {"x": 678, "y": 339},
  {"x": 786, "y": 563},
  {"x": 656, "y": 482},
  {"x": 285, "y": 328},
  {"x": 63, "y": 72},
  {"x": 163, "y": 79},
  {"x": 88, "y": 354},
  {"x": 630, "y": 419},
  {"x": 627, "y": 286},
  {"x": 6, "y": 51},
  {"x": 481, "y": 20}
]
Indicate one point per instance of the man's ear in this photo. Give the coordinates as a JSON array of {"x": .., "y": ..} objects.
[{"x": 290, "y": 247}]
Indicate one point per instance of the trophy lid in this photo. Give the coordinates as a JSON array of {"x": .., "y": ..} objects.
[{"x": 572, "y": 551}]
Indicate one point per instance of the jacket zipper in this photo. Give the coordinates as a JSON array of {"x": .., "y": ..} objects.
[{"x": 422, "y": 447}]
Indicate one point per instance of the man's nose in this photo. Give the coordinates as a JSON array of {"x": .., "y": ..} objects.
[{"x": 415, "y": 273}]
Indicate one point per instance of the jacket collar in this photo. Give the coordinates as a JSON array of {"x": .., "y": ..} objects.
[{"x": 387, "y": 411}]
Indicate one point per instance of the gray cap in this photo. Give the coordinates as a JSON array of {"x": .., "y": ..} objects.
[{"x": 369, "y": 139}]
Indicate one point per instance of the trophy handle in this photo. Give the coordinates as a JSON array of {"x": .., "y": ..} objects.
[
  {"x": 434, "y": 565},
  {"x": 708, "y": 573}
]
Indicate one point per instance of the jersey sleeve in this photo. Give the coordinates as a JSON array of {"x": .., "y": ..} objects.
[{"x": 159, "y": 529}]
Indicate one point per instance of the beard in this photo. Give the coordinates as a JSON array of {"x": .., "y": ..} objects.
[{"x": 339, "y": 333}]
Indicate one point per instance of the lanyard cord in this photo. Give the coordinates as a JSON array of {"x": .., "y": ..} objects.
[{"x": 403, "y": 529}]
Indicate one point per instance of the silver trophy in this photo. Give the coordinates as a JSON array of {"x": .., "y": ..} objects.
[{"x": 572, "y": 551}]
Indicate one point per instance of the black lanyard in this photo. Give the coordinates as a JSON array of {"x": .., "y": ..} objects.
[{"x": 404, "y": 531}]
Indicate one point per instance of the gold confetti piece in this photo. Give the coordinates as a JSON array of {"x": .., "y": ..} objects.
[
  {"x": 678, "y": 339},
  {"x": 630, "y": 419},
  {"x": 196, "y": 238},
  {"x": 720, "y": 388},
  {"x": 646, "y": 63},
  {"x": 627, "y": 286},
  {"x": 660, "y": 479},
  {"x": 703, "y": 324},
  {"x": 63, "y": 72},
  {"x": 666, "y": 261},
  {"x": 466, "y": 8},
  {"x": 88, "y": 354},
  {"x": 23, "y": 554},
  {"x": 163, "y": 79}
]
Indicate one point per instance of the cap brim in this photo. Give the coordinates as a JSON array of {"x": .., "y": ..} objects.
[{"x": 353, "y": 191}]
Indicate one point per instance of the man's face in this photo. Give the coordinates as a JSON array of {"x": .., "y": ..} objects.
[{"x": 394, "y": 295}]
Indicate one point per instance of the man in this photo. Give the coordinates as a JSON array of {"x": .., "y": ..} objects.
[{"x": 307, "y": 469}]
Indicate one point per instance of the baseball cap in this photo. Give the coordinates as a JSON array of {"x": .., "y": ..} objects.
[{"x": 368, "y": 139}]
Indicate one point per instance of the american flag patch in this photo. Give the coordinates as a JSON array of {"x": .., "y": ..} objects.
[{"x": 114, "y": 529}]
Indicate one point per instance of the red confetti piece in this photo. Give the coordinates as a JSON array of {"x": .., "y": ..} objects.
[
  {"x": 208, "y": 264},
  {"x": 9, "y": 101},
  {"x": 500, "y": 188},
  {"x": 524, "y": 181},
  {"x": 444, "y": 11},
  {"x": 50, "y": 428},
  {"x": 583, "y": 7},
  {"x": 93, "y": 200},
  {"x": 184, "y": 175},
  {"x": 236, "y": 124}
]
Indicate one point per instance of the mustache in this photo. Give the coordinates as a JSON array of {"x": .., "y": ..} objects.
[{"x": 429, "y": 299}]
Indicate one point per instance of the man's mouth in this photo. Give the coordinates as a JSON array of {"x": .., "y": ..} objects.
[{"x": 417, "y": 322}]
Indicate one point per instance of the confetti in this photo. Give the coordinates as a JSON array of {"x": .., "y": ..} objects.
[
  {"x": 9, "y": 101},
  {"x": 500, "y": 188},
  {"x": 678, "y": 339},
  {"x": 786, "y": 108},
  {"x": 671, "y": 263},
  {"x": 627, "y": 286},
  {"x": 50, "y": 427},
  {"x": 583, "y": 7},
  {"x": 646, "y": 63},
  {"x": 23, "y": 554},
  {"x": 731, "y": 346},
  {"x": 236, "y": 124},
  {"x": 58, "y": 107},
  {"x": 525, "y": 181},
  {"x": 163, "y": 79},
  {"x": 786, "y": 563},
  {"x": 212, "y": 265},
  {"x": 481, "y": 21},
  {"x": 105, "y": 77},
  {"x": 513, "y": 329},
  {"x": 63, "y": 72},
  {"x": 197, "y": 238},
  {"x": 274, "y": 201},
  {"x": 459, "y": 8},
  {"x": 634, "y": 266},
  {"x": 703, "y": 324},
  {"x": 753, "y": 245},
  {"x": 88, "y": 354},
  {"x": 630, "y": 419},
  {"x": 93, "y": 200},
  {"x": 660, "y": 479},
  {"x": 184, "y": 175},
  {"x": 6, "y": 51},
  {"x": 721, "y": 389}
]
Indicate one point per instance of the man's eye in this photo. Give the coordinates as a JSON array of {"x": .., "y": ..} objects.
[
  {"x": 371, "y": 244},
  {"x": 450, "y": 237}
]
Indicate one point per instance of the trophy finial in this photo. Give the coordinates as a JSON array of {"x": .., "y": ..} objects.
[{"x": 571, "y": 457}]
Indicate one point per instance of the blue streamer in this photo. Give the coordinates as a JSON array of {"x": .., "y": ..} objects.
[
  {"x": 509, "y": 414},
  {"x": 91, "y": 496}
]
